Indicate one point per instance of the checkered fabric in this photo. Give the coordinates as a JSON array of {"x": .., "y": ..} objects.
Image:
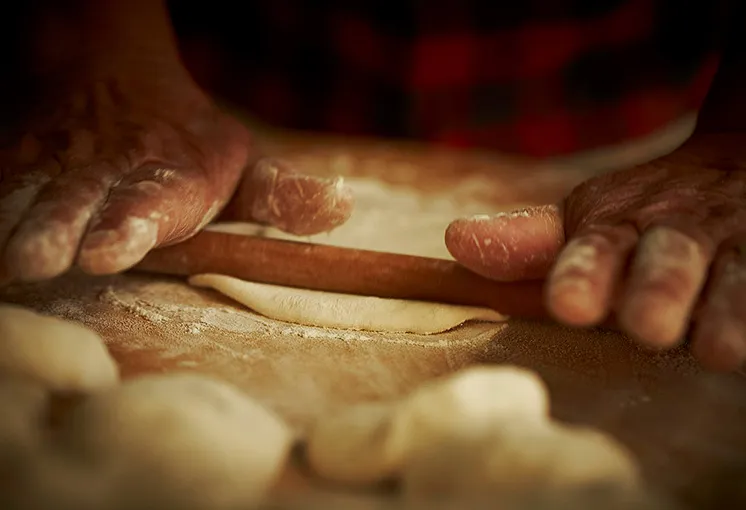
[{"x": 536, "y": 77}]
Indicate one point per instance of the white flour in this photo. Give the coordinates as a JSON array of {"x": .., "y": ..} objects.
[{"x": 389, "y": 218}]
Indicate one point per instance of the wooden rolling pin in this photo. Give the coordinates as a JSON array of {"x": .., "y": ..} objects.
[{"x": 343, "y": 270}]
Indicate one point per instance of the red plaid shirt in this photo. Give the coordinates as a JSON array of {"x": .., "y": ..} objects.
[{"x": 536, "y": 77}]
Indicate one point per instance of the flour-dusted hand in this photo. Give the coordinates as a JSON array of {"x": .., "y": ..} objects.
[
  {"x": 661, "y": 245},
  {"x": 123, "y": 168},
  {"x": 118, "y": 167},
  {"x": 114, "y": 150}
]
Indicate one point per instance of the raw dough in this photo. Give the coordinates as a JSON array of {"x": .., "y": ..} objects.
[
  {"x": 482, "y": 435},
  {"x": 62, "y": 355},
  {"x": 353, "y": 446},
  {"x": 557, "y": 455},
  {"x": 487, "y": 431},
  {"x": 370, "y": 442},
  {"x": 470, "y": 403},
  {"x": 344, "y": 311},
  {"x": 519, "y": 458},
  {"x": 182, "y": 441}
]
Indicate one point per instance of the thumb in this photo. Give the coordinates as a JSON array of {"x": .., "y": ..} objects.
[
  {"x": 273, "y": 193},
  {"x": 519, "y": 245}
]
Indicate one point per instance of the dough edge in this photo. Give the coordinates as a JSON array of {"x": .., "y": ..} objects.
[{"x": 344, "y": 311}]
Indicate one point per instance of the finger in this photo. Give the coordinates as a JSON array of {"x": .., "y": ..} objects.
[
  {"x": 665, "y": 279},
  {"x": 150, "y": 208},
  {"x": 46, "y": 240},
  {"x": 581, "y": 285},
  {"x": 719, "y": 335},
  {"x": 275, "y": 194},
  {"x": 508, "y": 246},
  {"x": 16, "y": 197}
]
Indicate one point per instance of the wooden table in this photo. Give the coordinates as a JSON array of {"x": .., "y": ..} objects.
[{"x": 687, "y": 427}]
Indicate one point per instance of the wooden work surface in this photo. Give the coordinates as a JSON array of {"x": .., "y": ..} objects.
[{"x": 688, "y": 428}]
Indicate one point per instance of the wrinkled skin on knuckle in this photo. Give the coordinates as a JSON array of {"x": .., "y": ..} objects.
[
  {"x": 653, "y": 194},
  {"x": 704, "y": 201},
  {"x": 175, "y": 159}
]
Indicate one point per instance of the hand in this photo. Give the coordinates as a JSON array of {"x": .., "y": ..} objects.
[
  {"x": 116, "y": 167},
  {"x": 662, "y": 245}
]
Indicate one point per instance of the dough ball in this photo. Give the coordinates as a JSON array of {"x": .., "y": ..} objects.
[
  {"x": 352, "y": 446},
  {"x": 180, "y": 439},
  {"x": 63, "y": 355},
  {"x": 469, "y": 403},
  {"x": 558, "y": 455},
  {"x": 370, "y": 442},
  {"x": 520, "y": 460}
]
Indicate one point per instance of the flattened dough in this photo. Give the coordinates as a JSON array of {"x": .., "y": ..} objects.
[{"x": 344, "y": 311}]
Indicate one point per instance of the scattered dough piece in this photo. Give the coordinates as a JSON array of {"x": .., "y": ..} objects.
[
  {"x": 184, "y": 440},
  {"x": 482, "y": 435},
  {"x": 521, "y": 458},
  {"x": 344, "y": 311},
  {"x": 560, "y": 456},
  {"x": 469, "y": 403},
  {"x": 63, "y": 355},
  {"x": 353, "y": 446},
  {"x": 368, "y": 443}
]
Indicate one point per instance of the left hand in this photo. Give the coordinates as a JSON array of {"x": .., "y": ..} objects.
[
  {"x": 662, "y": 245},
  {"x": 114, "y": 167}
]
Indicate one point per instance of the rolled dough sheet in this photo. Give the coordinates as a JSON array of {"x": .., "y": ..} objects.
[{"x": 344, "y": 311}]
